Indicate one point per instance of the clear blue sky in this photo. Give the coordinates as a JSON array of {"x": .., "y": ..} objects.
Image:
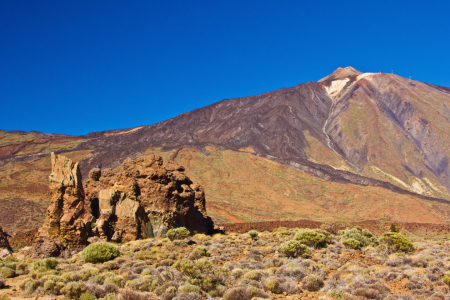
[{"x": 76, "y": 67}]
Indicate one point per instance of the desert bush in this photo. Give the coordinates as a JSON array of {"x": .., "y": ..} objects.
[
  {"x": 87, "y": 273},
  {"x": 179, "y": 233},
  {"x": 7, "y": 272},
  {"x": 396, "y": 242},
  {"x": 129, "y": 294},
  {"x": 99, "y": 252},
  {"x": 244, "y": 293},
  {"x": 394, "y": 228},
  {"x": 295, "y": 248},
  {"x": 253, "y": 234},
  {"x": 4, "y": 297},
  {"x": 336, "y": 294},
  {"x": 199, "y": 252},
  {"x": 44, "y": 264},
  {"x": 366, "y": 292},
  {"x": 73, "y": 290},
  {"x": 281, "y": 231},
  {"x": 356, "y": 239},
  {"x": 311, "y": 238},
  {"x": 312, "y": 283},
  {"x": 189, "y": 288},
  {"x": 255, "y": 275},
  {"x": 87, "y": 296},
  {"x": 446, "y": 280}
]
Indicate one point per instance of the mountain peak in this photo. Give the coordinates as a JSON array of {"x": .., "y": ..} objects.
[{"x": 341, "y": 73}]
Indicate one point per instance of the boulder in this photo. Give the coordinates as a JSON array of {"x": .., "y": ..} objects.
[
  {"x": 44, "y": 248},
  {"x": 5, "y": 248},
  {"x": 144, "y": 198},
  {"x": 140, "y": 198},
  {"x": 67, "y": 219}
]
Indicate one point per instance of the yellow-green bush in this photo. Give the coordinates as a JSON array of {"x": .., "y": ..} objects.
[
  {"x": 311, "y": 238},
  {"x": 179, "y": 233},
  {"x": 253, "y": 234},
  {"x": 73, "y": 290},
  {"x": 397, "y": 242},
  {"x": 44, "y": 264},
  {"x": 357, "y": 238},
  {"x": 7, "y": 272},
  {"x": 294, "y": 248},
  {"x": 99, "y": 252}
]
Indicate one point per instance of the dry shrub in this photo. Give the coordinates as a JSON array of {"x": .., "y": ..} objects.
[
  {"x": 129, "y": 294},
  {"x": 312, "y": 283}
]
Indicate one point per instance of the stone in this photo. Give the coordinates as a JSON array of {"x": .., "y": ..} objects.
[
  {"x": 95, "y": 174},
  {"x": 143, "y": 198},
  {"x": 67, "y": 219},
  {"x": 44, "y": 248},
  {"x": 5, "y": 248}
]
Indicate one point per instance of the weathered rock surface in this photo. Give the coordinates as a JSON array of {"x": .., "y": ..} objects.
[
  {"x": 5, "y": 248},
  {"x": 67, "y": 219},
  {"x": 138, "y": 199},
  {"x": 144, "y": 198},
  {"x": 43, "y": 248}
]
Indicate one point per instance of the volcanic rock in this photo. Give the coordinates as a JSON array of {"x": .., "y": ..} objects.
[
  {"x": 43, "y": 248},
  {"x": 5, "y": 248},
  {"x": 144, "y": 198},
  {"x": 67, "y": 219}
]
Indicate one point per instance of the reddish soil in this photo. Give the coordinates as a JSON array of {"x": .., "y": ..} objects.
[{"x": 374, "y": 226}]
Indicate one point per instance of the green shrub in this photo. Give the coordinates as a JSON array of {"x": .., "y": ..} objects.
[
  {"x": 446, "y": 280},
  {"x": 394, "y": 228},
  {"x": 200, "y": 252},
  {"x": 87, "y": 296},
  {"x": 311, "y": 238},
  {"x": 273, "y": 284},
  {"x": 179, "y": 233},
  {"x": 44, "y": 264},
  {"x": 357, "y": 238},
  {"x": 7, "y": 272},
  {"x": 312, "y": 283},
  {"x": 4, "y": 297},
  {"x": 189, "y": 288},
  {"x": 336, "y": 294},
  {"x": 294, "y": 248},
  {"x": 99, "y": 252},
  {"x": 253, "y": 234},
  {"x": 281, "y": 231},
  {"x": 73, "y": 290},
  {"x": 351, "y": 243},
  {"x": 397, "y": 242}
]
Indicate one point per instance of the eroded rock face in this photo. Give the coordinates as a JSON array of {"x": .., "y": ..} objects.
[
  {"x": 67, "y": 219},
  {"x": 5, "y": 248},
  {"x": 144, "y": 198}
]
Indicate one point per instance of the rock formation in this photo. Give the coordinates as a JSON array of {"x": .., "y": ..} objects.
[
  {"x": 138, "y": 199},
  {"x": 5, "y": 248},
  {"x": 144, "y": 198},
  {"x": 67, "y": 219}
]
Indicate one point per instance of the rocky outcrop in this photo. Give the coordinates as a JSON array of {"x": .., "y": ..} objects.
[
  {"x": 67, "y": 219},
  {"x": 144, "y": 198},
  {"x": 5, "y": 248},
  {"x": 138, "y": 199}
]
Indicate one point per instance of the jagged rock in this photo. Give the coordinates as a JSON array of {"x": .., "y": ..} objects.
[
  {"x": 43, "y": 248},
  {"x": 144, "y": 198},
  {"x": 95, "y": 174},
  {"x": 67, "y": 219},
  {"x": 5, "y": 248}
]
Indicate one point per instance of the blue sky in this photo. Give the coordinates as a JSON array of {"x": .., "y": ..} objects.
[{"x": 75, "y": 67}]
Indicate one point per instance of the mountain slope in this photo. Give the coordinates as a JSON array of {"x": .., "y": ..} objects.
[{"x": 349, "y": 128}]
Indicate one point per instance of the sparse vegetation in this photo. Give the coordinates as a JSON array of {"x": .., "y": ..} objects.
[{"x": 234, "y": 266}]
